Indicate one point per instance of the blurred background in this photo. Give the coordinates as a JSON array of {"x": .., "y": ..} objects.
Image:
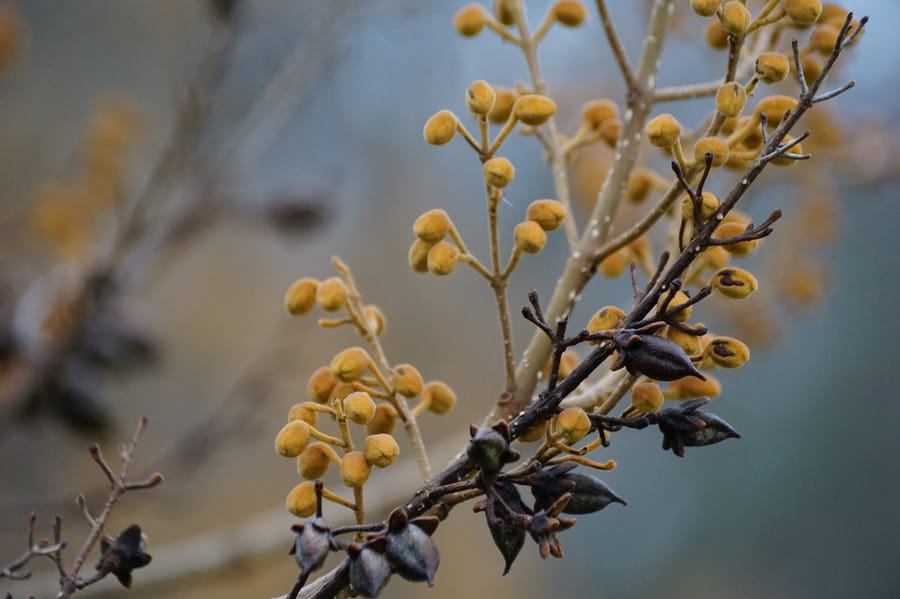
[{"x": 167, "y": 169}]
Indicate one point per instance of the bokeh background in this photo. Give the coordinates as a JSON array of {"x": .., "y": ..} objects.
[{"x": 307, "y": 142}]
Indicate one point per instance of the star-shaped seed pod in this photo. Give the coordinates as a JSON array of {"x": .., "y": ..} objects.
[
  {"x": 410, "y": 548},
  {"x": 687, "y": 426},
  {"x": 122, "y": 554}
]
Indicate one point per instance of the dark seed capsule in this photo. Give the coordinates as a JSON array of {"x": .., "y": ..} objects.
[
  {"x": 312, "y": 544},
  {"x": 410, "y": 548},
  {"x": 654, "y": 357},
  {"x": 488, "y": 449},
  {"x": 714, "y": 431},
  {"x": 369, "y": 568}
]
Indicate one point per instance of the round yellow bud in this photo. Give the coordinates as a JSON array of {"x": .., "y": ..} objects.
[
  {"x": 355, "y": 470},
  {"x": 730, "y": 99},
  {"x": 605, "y": 319},
  {"x": 567, "y": 363},
  {"x": 715, "y": 257},
  {"x": 727, "y": 352},
  {"x": 529, "y": 237},
  {"x": 549, "y": 214},
  {"x": 342, "y": 390},
  {"x": 440, "y": 128},
  {"x": 439, "y": 397},
  {"x": 498, "y": 172},
  {"x": 442, "y": 258},
  {"x": 730, "y": 229},
  {"x": 350, "y": 364},
  {"x": 432, "y": 226},
  {"x": 679, "y": 299},
  {"x": 359, "y": 407},
  {"x": 772, "y": 67},
  {"x": 708, "y": 206},
  {"x": 418, "y": 255},
  {"x": 533, "y": 109},
  {"x": 639, "y": 185},
  {"x": 609, "y": 132},
  {"x": 314, "y": 461},
  {"x": 503, "y": 104},
  {"x": 716, "y": 36},
  {"x": 786, "y": 160},
  {"x": 570, "y": 13},
  {"x": 812, "y": 67},
  {"x": 332, "y": 294},
  {"x": 504, "y": 11},
  {"x": 381, "y": 450},
  {"x": 824, "y": 38},
  {"x": 301, "y": 296},
  {"x": 406, "y": 380},
  {"x": 689, "y": 386},
  {"x": 597, "y": 112},
  {"x": 470, "y": 20},
  {"x": 535, "y": 433},
  {"x": 292, "y": 439},
  {"x": 705, "y": 8},
  {"x": 803, "y": 13},
  {"x": 647, "y": 397},
  {"x": 615, "y": 264},
  {"x": 301, "y": 501},
  {"x": 733, "y": 282},
  {"x": 663, "y": 130},
  {"x": 774, "y": 108},
  {"x": 734, "y": 17},
  {"x": 716, "y": 146},
  {"x": 572, "y": 424},
  {"x": 832, "y": 12},
  {"x": 374, "y": 318},
  {"x": 383, "y": 421},
  {"x": 480, "y": 97},
  {"x": 689, "y": 343},
  {"x": 320, "y": 385},
  {"x": 303, "y": 413}
]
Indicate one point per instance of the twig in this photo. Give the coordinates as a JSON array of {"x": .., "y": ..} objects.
[{"x": 616, "y": 45}]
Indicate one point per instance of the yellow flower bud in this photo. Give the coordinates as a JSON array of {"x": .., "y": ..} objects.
[
  {"x": 535, "y": 433},
  {"x": 824, "y": 38},
  {"x": 359, "y": 407},
  {"x": 320, "y": 385},
  {"x": 609, "y": 132},
  {"x": 355, "y": 470},
  {"x": 292, "y": 439},
  {"x": 381, "y": 450},
  {"x": 504, "y": 11},
  {"x": 597, "y": 112},
  {"x": 690, "y": 386},
  {"x": 549, "y": 214},
  {"x": 812, "y": 67},
  {"x": 786, "y": 160},
  {"x": 503, "y": 104},
  {"x": 730, "y": 229},
  {"x": 332, "y": 294},
  {"x": 302, "y": 501},
  {"x": 615, "y": 264},
  {"x": 715, "y": 257},
  {"x": 708, "y": 206},
  {"x": 374, "y": 318},
  {"x": 350, "y": 364},
  {"x": 647, "y": 397},
  {"x": 832, "y": 12},
  {"x": 716, "y": 146},
  {"x": 680, "y": 298},
  {"x": 705, "y": 8},
  {"x": 480, "y": 97},
  {"x": 733, "y": 282},
  {"x": 301, "y": 296},
  {"x": 442, "y": 258},
  {"x": 803, "y": 13},
  {"x": 727, "y": 352},
  {"x": 570, "y": 13},
  {"x": 314, "y": 461},
  {"x": 572, "y": 424},
  {"x": 439, "y": 397},
  {"x": 774, "y": 108},
  {"x": 730, "y": 99},
  {"x": 470, "y": 20},
  {"x": 440, "y": 128},
  {"x": 406, "y": 380},
  {"x": 567, "y": 362},
  {"x": 736, "y": 216},
  {"x": 605, "y": 319},
  {"x": 303, "y": 413},
  {"x": 342, "y": 390},
  {"x": 383, "y": 421},
  {"x": 498, "y": 172},
  {"x": 772, "y": 67},
  {"x": 689, "y": 343},
  {"x": 418, "y": 255},
  {"x": 663, "y": 130},
  {"x": 533, "y": 109},
  {"x": 734, "y": 17},
  {"x": 432, "y": 226},
  {"x": 529, "y": 237},
  {"x": 639, "y": 185},
  {"x": 716, "y": 36}
]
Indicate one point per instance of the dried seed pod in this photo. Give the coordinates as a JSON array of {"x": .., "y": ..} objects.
[
  {"x": 663, "y": 130},
  {"x": 678, "y": 299},
  {"x": 432, "y": 226},
  {"x": 714, "y": 431},
  {"x": 772, "y": 67},
  {"x": 438, "y": 397},
  {"x": 410, "y": 548},
  {"x": 121, "y": 555},
  {"x": 374, "y": 318},
  {"x": 716, "y": 36},
  {"x": 529, "y": 237},
  {"x": 470, "y": 20},
  {"x": 301, "y": 296},
  {"x": 489, "y": 447},
  {"x": 735, "y": 283},
  {"x": 418, "y": 255},
  {"x": 615, "y": 264},
  {"x": 440, "y": 128},
  {"x": 359, "y": 407},
  {"x": 383, "y": 421},
  {"x": 654, "y": 357},
  {"x": 321, "y": 384},
  {"x": 774, "y": 107},
  {"x": 731, "y": 229},
  {"x": 303, "y": 413},
  {"x": 292, "y": 439},
  {"x": 350, "y": 364},
  {"x": 312, "y": 544},
  {"x": 498, "y": 172},
  {"x": 639, "y": 184},
  {"x": 803, "y": 13},
  {"x": 313, "y": 462},
  {"x": 730, "y": 99},
  {"x": 549, "y": 214},
  {"x": 689, "y": 387},
  {"x": 572, "y": 424},
  {"x": 355, "y": 469},
  {"x": 734, "y": 17},
  {"x": 708, "y": 206},
  {"x": 332, "y": 294},
  {"x": 534, "y": 109},
  {"x": 480, "y": 97},
  {"x": 406, "y": 380},
  {"x": 503, "y": 104},
  {"x": 647, "y": 397},
  {"x": 727, "y": 352},
  {"x": 587, "y": 493},
  {"x": 381, "y": 450},
  {"x": 442, "y": 258},
  {"x": 507, "y": 535},
  {"x": 570, "y": 13},
  {"x": 716, "y": 146},
  {"x": 605, "y": 319},
  {"x": 686, "y": 426},
  {"x": 369, "y": 568},
  {"x": 705, "y": 8},
  {"x": 301, "y": 501},
  {"x": 597, "y": 112}
]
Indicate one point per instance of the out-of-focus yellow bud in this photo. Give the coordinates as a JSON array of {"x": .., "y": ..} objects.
[
  {"x": 332, "y": 294},
  {"x": 359, "y": 407},
  {"x": 374, "y": 318},
  {"x": 303, "y": 413},
  {"x": 689, "y": 343},
  {"x": 535, "y": 433},
  {"x": 708, "y": 206},
  {"x": 690, "y": 386},
  {"x": 383, "y": 421},
  {"x": 705, "y": 8},
  {"x": 615, "y": 264},
  {"x": 570, "y": 13},
  {"x": 716, "y": 36},
  {"x": 734, "y": 17},
  {"x": 470, "y": 20},
  {"x": 716, "y": 146},
  {"x": 314, "y": 460},
  {"x": 803, "y": 13},
  {"x": 438, "y": 397},
  {"x": 503, "y": 104},
  {"x": 647, "y": 397},
  {"x": 301, "y": 296},
  {"x": 320, "y": 385},
  {"x": 679, "y": 299},
  {"x": 597, "y": 112},
  {"x": 418, "y": 255},
  {"x": 442, "y": 258},
  {"x": 533, "y": 109},
  {"x": 774, "y": 108},
  {"x": 730, "y": 229}
]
